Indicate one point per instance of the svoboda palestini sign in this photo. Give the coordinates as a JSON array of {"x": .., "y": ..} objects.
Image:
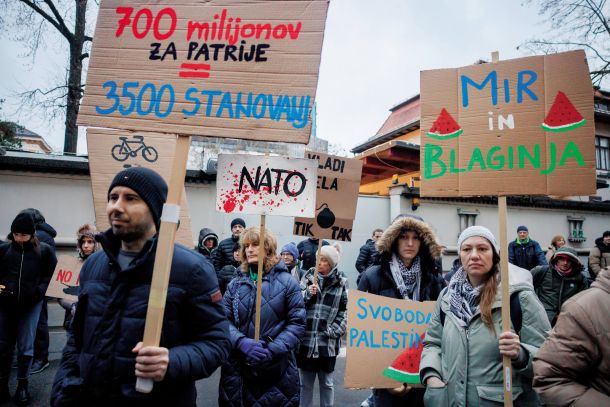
[{"x": 517, "y": 127}]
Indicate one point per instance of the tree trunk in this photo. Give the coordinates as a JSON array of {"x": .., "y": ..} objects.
[{"x": 74, "y": 77}]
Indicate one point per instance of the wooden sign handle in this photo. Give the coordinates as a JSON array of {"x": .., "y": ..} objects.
[
  {"x": 506, "y": 362},
  {"x": 164, "y": 255},
  {"x": 315, "y": 272},
  {"x": 259, "y": 279}
]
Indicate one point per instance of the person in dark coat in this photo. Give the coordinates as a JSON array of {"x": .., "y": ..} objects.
[
  {"x": 104, "y": 355},
  {"x": 230, "y": 271},
  {"x": 223, "y": 254},
  {"x": 207, "y": 242},
  {"x": 406, "y": 270},
  {"x": 368, "y": 253},
  {"x": 307, "y": 252},
  {"x": 46, "y": 234},
  {"x": 525, "y": 252},
  {"x": 26, "y": 267},
  {"x": 86, "y": 245},
  {"x": 263, "y": 372},
  {"x": 556, "y": 283}
]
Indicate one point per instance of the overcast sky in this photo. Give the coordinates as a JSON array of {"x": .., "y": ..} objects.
[{"x": 371, "y": 58}]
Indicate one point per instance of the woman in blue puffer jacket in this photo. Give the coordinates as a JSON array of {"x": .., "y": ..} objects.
[{"x": 263, "y": 372}]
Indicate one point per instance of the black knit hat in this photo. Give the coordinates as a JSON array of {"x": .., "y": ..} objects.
[
  {"x": 23, "y": 223},
  {"x": 148, "y": 184},
  {"x": 238, "y": 221}
]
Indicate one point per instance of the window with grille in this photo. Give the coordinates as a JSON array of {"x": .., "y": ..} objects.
[
  {"x": 602, "y": 153},
  {"x": 576, "y": 231},
  {"x": 467, "y": 218}
]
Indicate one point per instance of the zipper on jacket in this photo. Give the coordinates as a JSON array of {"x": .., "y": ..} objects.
[{"x": 20, "y": 270}]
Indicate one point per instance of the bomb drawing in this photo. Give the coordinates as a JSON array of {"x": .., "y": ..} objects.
[{"x": 326, "y": 217}]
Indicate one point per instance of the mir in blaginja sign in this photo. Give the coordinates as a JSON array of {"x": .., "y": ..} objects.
[
  {"x": 516, "y": 127},
  {"x": 243, "y": 69}
]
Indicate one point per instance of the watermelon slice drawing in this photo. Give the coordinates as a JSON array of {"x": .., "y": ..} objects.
[
  {"x": 563, "y": 116},
  {"x": 444, "y": 127},
  {"x": 405, "y": 367}
]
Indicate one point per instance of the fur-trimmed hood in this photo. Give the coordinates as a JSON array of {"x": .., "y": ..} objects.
[{"x": 384, "y": 243}]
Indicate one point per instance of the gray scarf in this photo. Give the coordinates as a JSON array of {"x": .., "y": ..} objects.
[
  {"x": 463, "y": 297},
  {"x": 406, "y": 279}
]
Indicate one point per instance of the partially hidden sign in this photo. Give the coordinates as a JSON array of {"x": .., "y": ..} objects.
[
  {"x": 242, "y": 69},
  {"x": 111, "y": 151},
  {"x": 516, "y": 127},
  {"x": 265, "y": 185},
  {"x": 66, "y": 278},
  {"x": 378, "y": 330},
  {"x": 336, "y": 198}
]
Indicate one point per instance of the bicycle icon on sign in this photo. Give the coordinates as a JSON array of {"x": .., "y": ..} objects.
[{"x": 131, "y": 148}]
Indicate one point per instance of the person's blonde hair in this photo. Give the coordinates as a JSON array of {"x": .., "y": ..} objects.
[
  {"x": 555, "y": 239},
  {"x": 252, "y": 235}
]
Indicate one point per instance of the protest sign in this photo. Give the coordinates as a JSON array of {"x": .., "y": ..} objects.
[
  {"x": 378, "y": 330},
  {"x": 66, "y": 278},
  {"x": 265, "y": 185},
  {"x": 336, "y": 198},
  {"x": 110, "y": 151},
  {"x": 516, "y": 127},
  {"x": 242, "y": 69}
]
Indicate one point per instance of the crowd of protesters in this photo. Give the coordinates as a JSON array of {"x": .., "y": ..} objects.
[{"x": 210, "y": 313}]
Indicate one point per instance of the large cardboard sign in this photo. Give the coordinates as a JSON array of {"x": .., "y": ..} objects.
[
  {"x": 224, "y": 68},
  {"x": 378, "y": 330},
  {"x": 336, "y": 198},
  {"x": 66, "y": 278},
  {"x": 516, "y": 127},
  {"x": 111, "y": 151},
  {"x": 265, "y": 185}
]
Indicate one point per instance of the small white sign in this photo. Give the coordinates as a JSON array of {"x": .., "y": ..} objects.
[{"x": 266, "y": 185}]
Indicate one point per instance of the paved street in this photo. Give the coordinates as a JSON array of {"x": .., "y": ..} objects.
[{"x": 40, "y": 384}]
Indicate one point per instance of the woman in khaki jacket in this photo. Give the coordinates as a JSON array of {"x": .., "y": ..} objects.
[
  {"x": 461, "y": 363},
  {"x": 572, "y": 368}
]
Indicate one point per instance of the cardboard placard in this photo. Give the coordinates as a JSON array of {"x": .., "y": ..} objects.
[
  {"x": 516, "y": 127},
  {"x": 66, "y": 278},
  {"x": 265, "y": 185},
  {"x": 242, "y": 69},
  {"x": 111, "y": 151},
  {"x": 378, "y": 330},
  {"x": 336, "y": 198}
]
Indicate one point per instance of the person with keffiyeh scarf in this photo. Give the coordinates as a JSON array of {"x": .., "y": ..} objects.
[
  {"x": 560, "y": 280},
  {"x": 406, "y": 270},
  {"x": 461, "y": 364}
]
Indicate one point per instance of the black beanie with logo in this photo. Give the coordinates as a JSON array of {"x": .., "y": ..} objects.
[{"x": 151, "y": 187}]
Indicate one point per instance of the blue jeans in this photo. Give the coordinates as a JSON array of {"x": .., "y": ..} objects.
[
  {"x": 327, "y": 388},
  {"x": 18, "y": 326}
]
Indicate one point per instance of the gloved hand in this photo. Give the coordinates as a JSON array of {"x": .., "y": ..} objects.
[{"x": 253, "y": 350}]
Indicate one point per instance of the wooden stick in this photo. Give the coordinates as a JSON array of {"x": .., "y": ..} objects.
[
  {"x": 315, "y": 272},
  {"x": 506, "y": 362},
  {"x": 163, "y": 258},
  {"x": 259, "y": 279}
]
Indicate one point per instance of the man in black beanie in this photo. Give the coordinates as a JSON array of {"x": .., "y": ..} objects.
[
  {"x": 104, "y": 354},
  {"x": 223, "y": 255}
]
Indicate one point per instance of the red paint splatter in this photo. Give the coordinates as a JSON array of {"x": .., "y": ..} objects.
[{"x": 229, "y": 205}]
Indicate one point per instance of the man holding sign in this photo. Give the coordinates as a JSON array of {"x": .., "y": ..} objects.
[{"x": 103, "y": 355}]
